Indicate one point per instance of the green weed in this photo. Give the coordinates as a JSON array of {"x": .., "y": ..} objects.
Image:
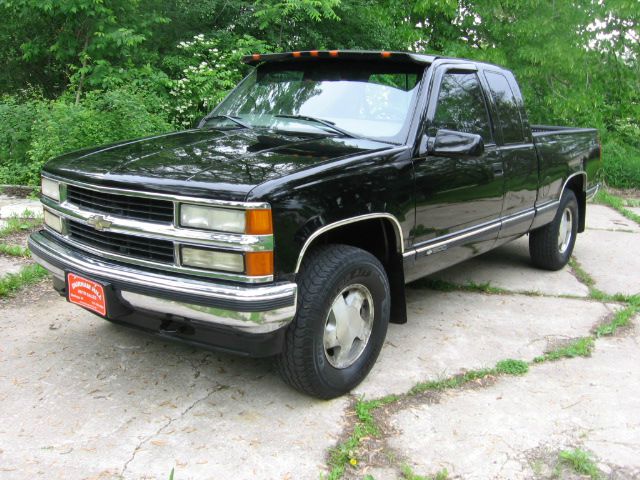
[
  {"x": 14, "y": 250},
  {"x": 16, "y": 225},
  {"x": 512, "y": 367},
  {"x": 580, "y": 462},
  {"x": 616, "y": 203},
  {"x": 13, "y": 282},
  {"x": 581, "y": 347},
  {"x": 621, "y": 319}
]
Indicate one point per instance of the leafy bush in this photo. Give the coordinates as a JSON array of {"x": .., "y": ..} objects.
[
  {"x": 208, "y": 72},
  {"x": 18, "y": 115},
  {"x": 45, "y": 129},
  {"x": 621, "y": 164}
]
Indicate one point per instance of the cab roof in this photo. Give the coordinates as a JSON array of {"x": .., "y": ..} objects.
[{"x": 358, "y": 55}]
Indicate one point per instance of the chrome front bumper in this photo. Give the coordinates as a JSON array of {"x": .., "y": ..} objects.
[{"x": 247, "y": 309}]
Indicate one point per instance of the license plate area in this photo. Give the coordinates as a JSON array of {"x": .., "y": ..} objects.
[{"x": 86, "y": 293}]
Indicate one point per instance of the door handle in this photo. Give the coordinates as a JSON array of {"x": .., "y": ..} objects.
[{"x": 498, "y": 170}]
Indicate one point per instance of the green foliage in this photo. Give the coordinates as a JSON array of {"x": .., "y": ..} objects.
[
  {"x": 14, "y": 225},
  {"x": 621, "y": 319},
  {"x": 60, "y": 126},
  {"x": 512, "y": 367},
  {"x": 13, "y": 282},
  {"x": 408, "y": 474},
  {"x": 269, "y": 13},
  {"x": 582, "y": 347},
  {"x": 209, "y": 72},
  {"x": 81, "y": 35},
  {"x": 621, "y": 165},
  {"x": 18, "y": 115},
  {"x": 14, "y": 250},
  {"x": 580, "y": 462}
]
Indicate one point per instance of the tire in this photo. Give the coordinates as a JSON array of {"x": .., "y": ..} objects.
[
  {"x": 334, "y": 278},
  {"x": 549, "y": 247}
]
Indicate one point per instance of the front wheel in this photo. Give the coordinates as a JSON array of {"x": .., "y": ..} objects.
[
  {"x": 341, "y": 323},
  {"x": 551, "y": 246}
]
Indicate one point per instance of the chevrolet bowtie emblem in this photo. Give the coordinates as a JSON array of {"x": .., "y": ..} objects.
[{"x": 99, "y": 222}]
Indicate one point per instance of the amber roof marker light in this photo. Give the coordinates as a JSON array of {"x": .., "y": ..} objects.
[
  {"x": 333, "y": 53},
  {"x": 385, "y": 54},
  {"x": 256, "y": 56},
  {"x": 295, "y": 54}
]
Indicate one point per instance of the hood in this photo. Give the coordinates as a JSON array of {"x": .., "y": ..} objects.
[{"x": 203, "y": 162}]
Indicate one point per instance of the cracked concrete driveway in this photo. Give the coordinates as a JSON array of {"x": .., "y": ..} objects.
[{"x": 82, "y": 398}]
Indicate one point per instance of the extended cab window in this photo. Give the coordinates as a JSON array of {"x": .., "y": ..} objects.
[
  {"x": 461, "y": 106},
  {"x": 508, "y": 111}
]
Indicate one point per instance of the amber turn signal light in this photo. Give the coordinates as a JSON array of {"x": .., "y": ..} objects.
[
  {"x": 258, "y": 222},
  {"x": 258, "y": 264}
]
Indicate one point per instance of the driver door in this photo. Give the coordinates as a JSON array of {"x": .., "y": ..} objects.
[{"x": 458, "y": 196}]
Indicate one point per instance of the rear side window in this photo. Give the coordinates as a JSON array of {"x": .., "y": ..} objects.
[
  {"x": 461, "y": 106},
  {"x": 507, "y": 108}
]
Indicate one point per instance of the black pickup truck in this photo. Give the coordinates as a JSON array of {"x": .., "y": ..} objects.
[{"x": 288, "y": 223}]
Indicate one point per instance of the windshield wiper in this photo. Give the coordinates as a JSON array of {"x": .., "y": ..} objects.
[
  {"x": 326, "y": 123},
  {"x": 235, "y": 120}
]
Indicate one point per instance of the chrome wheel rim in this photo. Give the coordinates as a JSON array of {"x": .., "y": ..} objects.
[
  {"x": 565, "y": 231},
  {"x": 348, "y": 326}
]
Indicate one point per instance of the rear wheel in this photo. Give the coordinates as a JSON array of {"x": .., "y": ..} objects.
[
  {"x": 341, "y": 323},
  {"x": 551, "y": 246}
]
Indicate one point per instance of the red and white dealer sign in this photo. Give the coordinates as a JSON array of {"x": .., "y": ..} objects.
[{"x": 86, "y": 293}]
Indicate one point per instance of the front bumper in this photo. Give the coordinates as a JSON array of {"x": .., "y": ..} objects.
[{"x": 242, "y": 309}]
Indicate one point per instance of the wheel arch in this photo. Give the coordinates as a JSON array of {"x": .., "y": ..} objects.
[
  {"x": 577, "y": 183},
  {"x": 379, "y": 234}
]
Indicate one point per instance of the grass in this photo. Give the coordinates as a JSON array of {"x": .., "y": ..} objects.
[
  {"x": 345, "y": 453},
  {"x": 512, "y": 367},
  {"x": 17, "y": 224},
  {"x": 13, "y": 282},
  {"x": 621, "y": 163},
  {"x": 444, "y": 286},
  {"x": 621, "y": 319},
  {"x": 581, "y": 347},
  {"x": 580, "y": 273},
  {"x": 605, "y": 198},
  {"x": 14, "y": 250},
  {"x": 408, "y": 474},
  {"x": 452, "y": 382},
  {"x": 580, "y": 462}
]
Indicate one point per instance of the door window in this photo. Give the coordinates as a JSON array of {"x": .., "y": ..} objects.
[
  {"x": 507, "y": 108},
  {"x": 461, "y": 106}
]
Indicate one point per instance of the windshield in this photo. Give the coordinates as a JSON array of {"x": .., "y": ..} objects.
[{"x": 371, "y": 100}]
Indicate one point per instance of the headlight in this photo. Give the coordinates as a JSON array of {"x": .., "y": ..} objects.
[
  {"x": 51, "y": 189},
  {"x": 252, "y": 222},
  {"x": 212, "y": 259},
  {"x": 53, "y": 221},
  {"x": 212, "y": 218}
]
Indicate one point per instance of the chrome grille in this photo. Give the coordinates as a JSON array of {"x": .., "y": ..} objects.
[
  {"x": 129, "y": 245},
  {"x": 139, "y": 208}
]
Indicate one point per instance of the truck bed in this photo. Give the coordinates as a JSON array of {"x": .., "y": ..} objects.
[{"x": 561, "y": 146}]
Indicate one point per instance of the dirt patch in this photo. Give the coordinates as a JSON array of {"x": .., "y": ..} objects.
[
  {"x": 17, "y": 191},
  {"x": 30, "y": 295},
  {"x": 19, "y": 238},
  {"x": 547, "y": 464}
]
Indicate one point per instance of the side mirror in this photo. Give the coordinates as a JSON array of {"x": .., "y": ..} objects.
[{"x": 452, "y": 143}]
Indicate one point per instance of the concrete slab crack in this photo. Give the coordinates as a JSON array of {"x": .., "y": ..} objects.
[{"x": 167, "y": 424}]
